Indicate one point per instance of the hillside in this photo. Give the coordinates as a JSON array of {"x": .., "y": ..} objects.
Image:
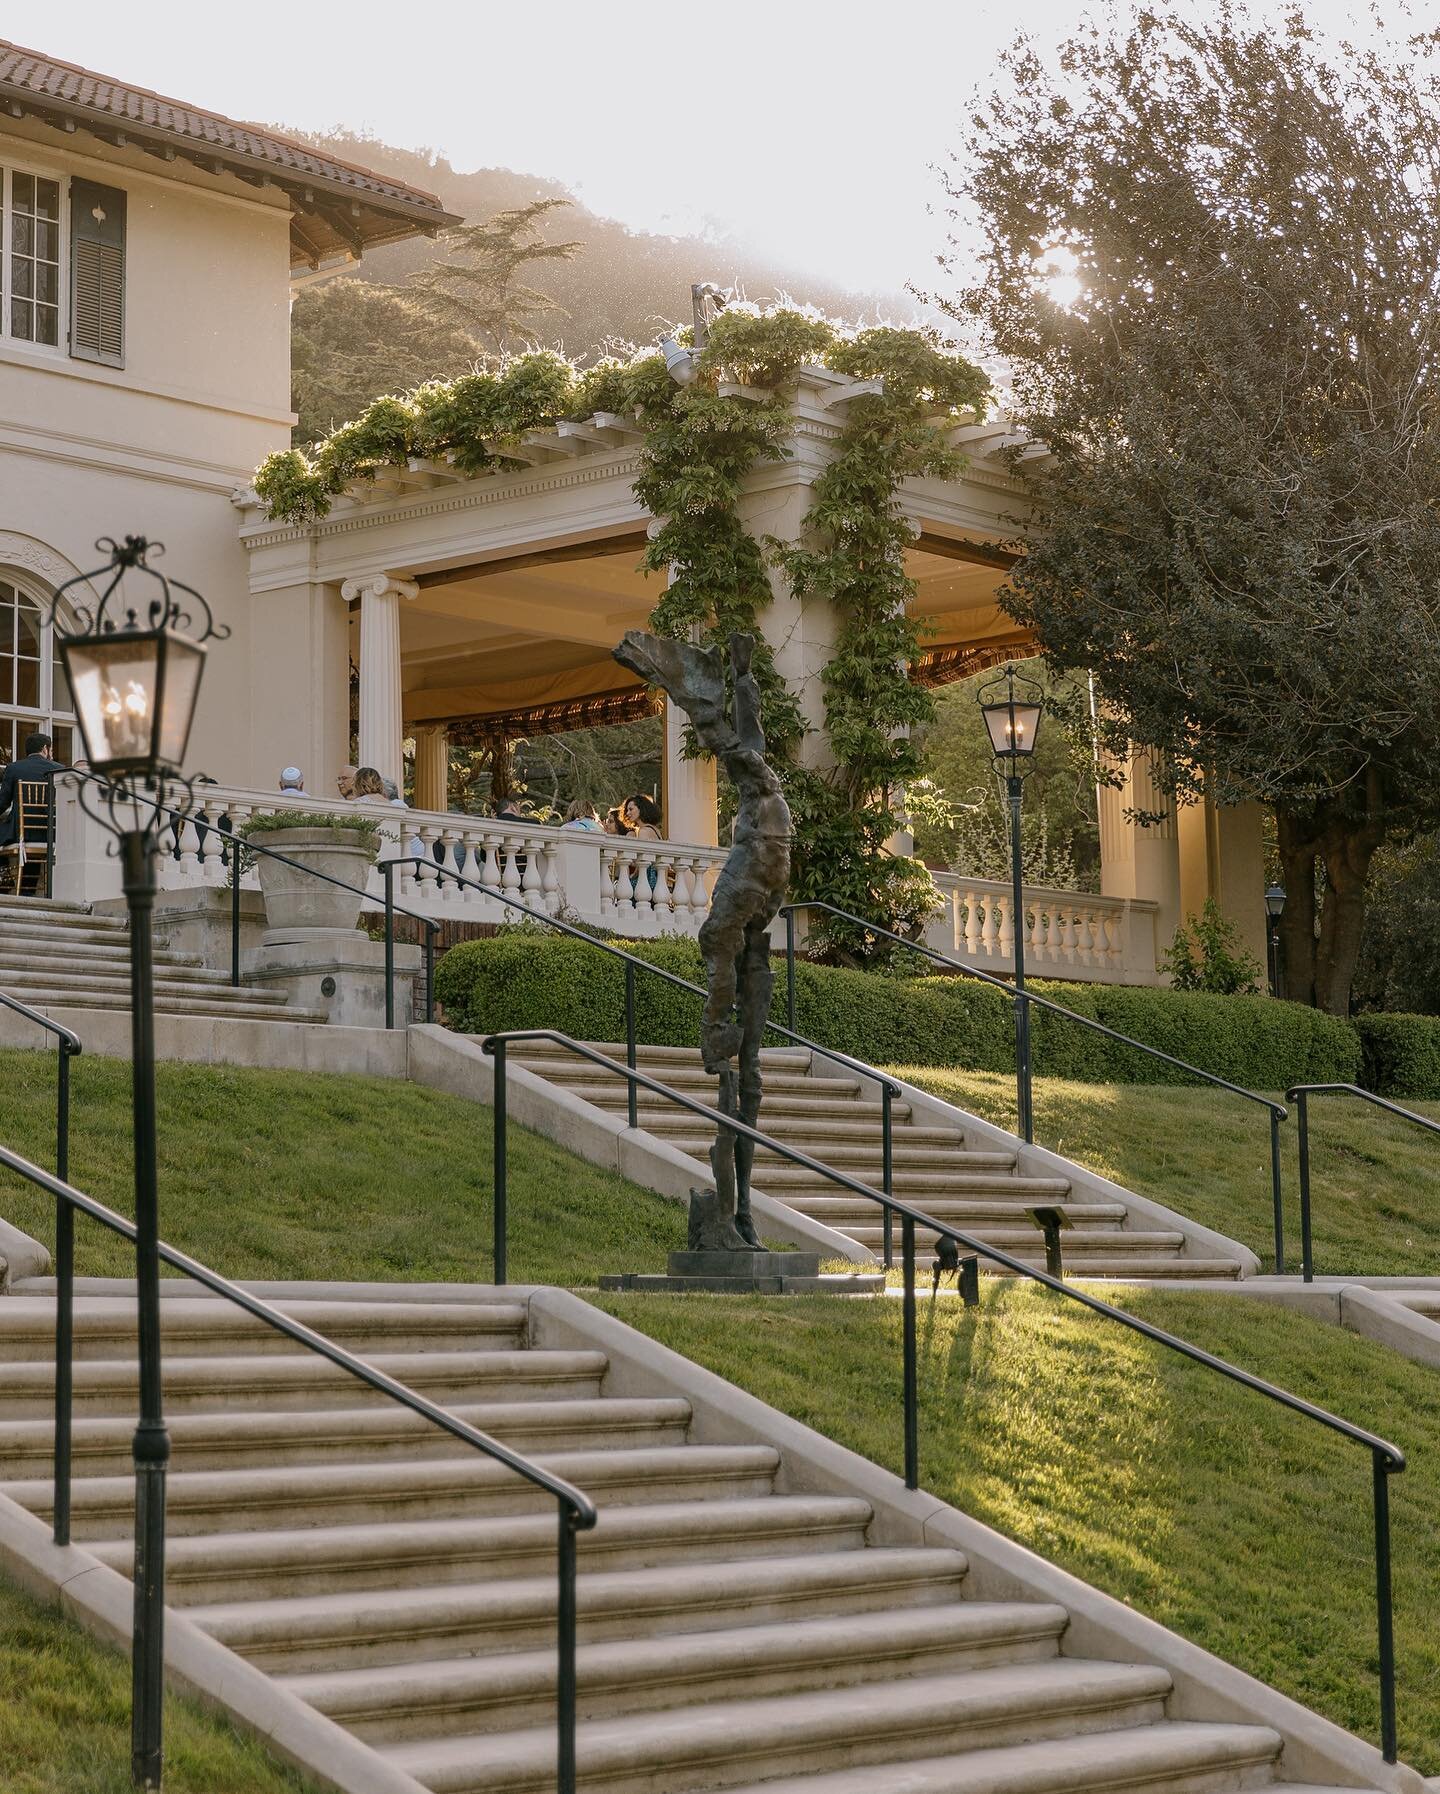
[{"x": 624, "y": 285}]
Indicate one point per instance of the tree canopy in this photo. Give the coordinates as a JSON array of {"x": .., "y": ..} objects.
[{"x": 1211, "y": 256}]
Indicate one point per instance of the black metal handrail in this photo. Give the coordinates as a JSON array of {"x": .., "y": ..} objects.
[
  {"x": 1024, "y": 999},
  {"x": 576, "y": 1510},
  {"x": 1299, "y": 1094},
  {"x": 232, "y": 848},
  {"x": 889, "y": 1088},
  {"x": 67, "y": 1047},
  {"x": 1386, "y": 1459}
]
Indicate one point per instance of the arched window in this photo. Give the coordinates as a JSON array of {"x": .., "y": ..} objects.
[{"x": 34, "y": 694}]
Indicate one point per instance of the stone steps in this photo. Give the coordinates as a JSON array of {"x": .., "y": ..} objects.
[
  {"x": 400, "y": 1701},
  {"x": 59, "y": 955},
  {"x": 403, "y": 1554},
  {"x": 720, "y": 1743},
  {"x": 935, "y": 1168},
  {"x": 277, "y": 1385},
  {"x": 737, "y": 1628}
]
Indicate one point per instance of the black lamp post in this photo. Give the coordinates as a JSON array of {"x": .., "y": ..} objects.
[
  {"x": 1011, "y": 707},
  {"x": 1274, "y": 909},
  {"x": 134, "y": 660}
]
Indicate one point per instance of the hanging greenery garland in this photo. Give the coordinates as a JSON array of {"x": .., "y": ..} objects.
[{"x": 700, "y": 442}]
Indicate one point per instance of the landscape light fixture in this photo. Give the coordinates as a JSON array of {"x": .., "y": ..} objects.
[
  {"x": 707, "y": 301},
  {"x": 134, "y": 656},
  {"x": 1011, "y": 706},
  {"x": 1274, "y": 909}
]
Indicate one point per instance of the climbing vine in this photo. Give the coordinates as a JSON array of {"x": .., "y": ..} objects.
[{"x": 700, "y": 442}]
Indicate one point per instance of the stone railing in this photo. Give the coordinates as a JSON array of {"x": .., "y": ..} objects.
[
  {"x": 636, "y": 888},
  {"x": 1068, "y": 934}
]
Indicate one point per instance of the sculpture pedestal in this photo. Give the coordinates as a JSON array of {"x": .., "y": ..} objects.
[{"x": 721, "y": 1272}]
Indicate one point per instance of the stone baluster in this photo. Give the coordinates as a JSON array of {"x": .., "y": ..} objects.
[
  {"x": 552, "y": 898},
  {"x": 991, "y": 933},
  {"x": 1041, "y": 920},
  {"x": 973, "y": 944},
  {"x": 430, "y": 893},
  {"x": 609, "y": 898},
  {"x": 532, "y": 884},
  {"x": 645, "y": 896},
  {"x": 507, "y": 851}
]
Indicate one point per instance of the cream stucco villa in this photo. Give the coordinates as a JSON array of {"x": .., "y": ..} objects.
[{"x": 150, "y": 249}]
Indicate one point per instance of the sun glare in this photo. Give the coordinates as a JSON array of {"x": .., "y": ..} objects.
[{"x": 1057, "y": 275}]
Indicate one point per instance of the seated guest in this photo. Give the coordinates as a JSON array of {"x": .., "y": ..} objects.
[
  {"x": 581, "y": 815},
  {"x": 292, "y": 779},
  {"x": 371, "y": 787},
  {"x": 614, "y": 823},
  {"x": 641, "y": 816},
  {"x": 345, "y": 783},
  {"x": 37, "y": 765}
]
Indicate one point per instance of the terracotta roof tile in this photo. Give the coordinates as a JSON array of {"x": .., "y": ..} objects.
[{"x": 76, "y": 89}]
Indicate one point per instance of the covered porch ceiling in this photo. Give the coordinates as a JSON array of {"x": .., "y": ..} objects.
[{"x": 529, "y": 631}]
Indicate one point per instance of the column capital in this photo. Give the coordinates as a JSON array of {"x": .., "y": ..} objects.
[{"x": 378, "y": 585}]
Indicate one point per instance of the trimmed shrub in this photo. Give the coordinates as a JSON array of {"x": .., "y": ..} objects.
[
  {"x": 524, "y": 979},
  {"x": 1402, "y": 1054}
]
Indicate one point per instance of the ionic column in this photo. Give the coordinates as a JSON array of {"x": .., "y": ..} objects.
[
  {"x": 689, "y": 788},
  {"x": 432, "y": 769},
  {"x": 381, "y": 722}
]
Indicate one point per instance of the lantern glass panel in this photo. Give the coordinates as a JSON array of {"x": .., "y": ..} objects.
[
  {"x": 1012, "y": 727},
  {"x": 134, "y": 695}
]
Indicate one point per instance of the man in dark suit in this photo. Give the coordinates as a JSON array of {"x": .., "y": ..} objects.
[{"x": 37, "y": 764}]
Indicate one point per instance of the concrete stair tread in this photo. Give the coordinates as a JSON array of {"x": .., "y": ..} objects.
[
  {"x": 702, "y": 1746},
  {"x": 402, "y": 1552},
  {"x": 625, "y": 1674},
  {"x": 658, "y": 1055},
  {"x": 958, "y": 1182},
  {"x": 330, "y": 1489},
  {"x": 190, "y": 1384},
  {"x": 100, "y": 1320},
  {"x": 1168, "y": 1758},
  {"x": 838, "y": 1207},
  {"x": 526, "y": 1425},
  {"x": 262, "y": 1009},
  {"x": 669, "y": 1596}
]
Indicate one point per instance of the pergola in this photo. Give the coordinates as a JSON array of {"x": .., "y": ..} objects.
[{"x": 480, "y": 609}]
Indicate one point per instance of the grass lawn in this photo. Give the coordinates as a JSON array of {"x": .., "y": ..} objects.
[
  {"x": 1241, "y": 1526},
  {"x": 273, "y": 1175},
  {"x": 69, "y": 1731},
  {"x": 1374, "y": 1179}
]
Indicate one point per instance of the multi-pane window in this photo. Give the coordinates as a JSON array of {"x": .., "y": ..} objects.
[
  {"x": 32, "y": 258},
  {"x": 33, "y": 693}
]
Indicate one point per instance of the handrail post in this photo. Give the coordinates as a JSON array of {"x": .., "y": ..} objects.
[
  {"x": 387, "y": 869},
  {"x": 1384, "y": 1606},
  {"x": 1024, "y": 1095},
  {"x": 235, "y": 910},
  {"x": 565, "y": 1669},
  {"x": 887, "y": 1171},
  {"x": 49, "y": 843},
  {"x": 912, "y": 1379},
  {"x": 1307, "y": 1259},
  {"x": 1275, "y": 1197},
  {"x": 632, "y": 1090},
  {"x": 430, "y": 971},
  {"x": 790, "y": 973},
  {"x": 501, "y": 1168},
  {"x": 64, "y": 1305}
]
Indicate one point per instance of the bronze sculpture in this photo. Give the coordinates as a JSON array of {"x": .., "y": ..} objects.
[{"x": 735, "y": 936}]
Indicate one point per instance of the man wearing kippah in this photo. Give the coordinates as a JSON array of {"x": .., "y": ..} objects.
[{"x": 292, "y": 779}]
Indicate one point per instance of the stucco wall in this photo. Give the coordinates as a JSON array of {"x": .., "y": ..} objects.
[{"x": 157, "y": 447}]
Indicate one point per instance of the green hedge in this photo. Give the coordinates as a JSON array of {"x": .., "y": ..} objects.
[
  {"x": 1401, "y": 1054},
  {"x": 525, "y": 979}
]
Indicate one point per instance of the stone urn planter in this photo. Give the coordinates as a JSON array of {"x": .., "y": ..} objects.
[{"x": 295, "y": 899}]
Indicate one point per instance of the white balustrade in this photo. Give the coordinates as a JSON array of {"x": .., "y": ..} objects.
[
  {"x": 635, "y": 888},
  {"x": 1068, "y": 934}
]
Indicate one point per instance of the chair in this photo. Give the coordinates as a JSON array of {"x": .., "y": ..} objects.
[{"x": 33, "y": 799}]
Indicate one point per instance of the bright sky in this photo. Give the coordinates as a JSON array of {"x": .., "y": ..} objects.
[{"x": 806, "y": 127}]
